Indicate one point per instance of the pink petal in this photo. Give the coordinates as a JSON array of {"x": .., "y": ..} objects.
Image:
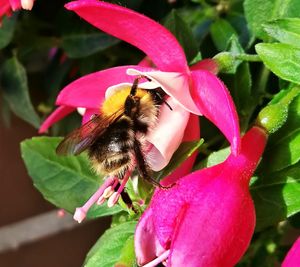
[
  {"x": 136, "y": 29},
  {"x": 174, "y": 84},
  {"x": 15, "y": 4},
  {"x": 57, "y": 115},
  {"x": 206, "y": 64},
  {"x": 147, "y": 246},
  {"x": 215, "y": 103},
  {"x": 225, "y": 182},
  {"x": 4, "y": 8},
  {"x": 216, "y": 227},
  {"x": 292, "y": 259},
  {"x": 167, "y": 135},
  {"x": 192, "y": 133},
  {"x": 88, "y": 91}
]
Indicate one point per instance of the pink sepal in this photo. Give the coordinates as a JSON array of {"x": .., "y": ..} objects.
[
  {"x": 214, "y": 101},
  {"x": 136, "y": 29}
]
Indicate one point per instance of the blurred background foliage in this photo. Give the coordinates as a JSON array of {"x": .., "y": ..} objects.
[{"x": 257, "y": 46}]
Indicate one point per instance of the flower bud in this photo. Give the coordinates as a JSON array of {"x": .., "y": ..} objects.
[{"x": 272, "y": 117}]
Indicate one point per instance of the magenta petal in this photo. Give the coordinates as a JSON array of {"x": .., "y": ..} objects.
[
  {"x": 216, "y": 228},
  {"x": 4, "y": 8},
  {"x": 55, "y": 116},
  {"x": 215, "y": 103},
  {"x": 292, "y": 259},
  {"x": 207, "y": 218},
  {"x": 147, "y": 246},
  {"x": 15, "y": 4},
  {"x": 149, "y": 36},
  {"x": 89, "y": 91}
]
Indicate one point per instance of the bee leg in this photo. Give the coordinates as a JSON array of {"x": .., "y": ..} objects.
[{"x": 142, "y": 167}]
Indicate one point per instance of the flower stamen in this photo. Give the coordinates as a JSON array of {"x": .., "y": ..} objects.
[
  {"x": 158, "y": 260},
  {"x": 113, "y": 199}
]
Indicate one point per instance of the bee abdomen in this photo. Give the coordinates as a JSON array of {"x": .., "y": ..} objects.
[{"x": 112, "y": 152}]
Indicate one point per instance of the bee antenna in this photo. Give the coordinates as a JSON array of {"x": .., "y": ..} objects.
[
  {"x": 167, "y": 104},
  {"x": 136, "y": 83}
]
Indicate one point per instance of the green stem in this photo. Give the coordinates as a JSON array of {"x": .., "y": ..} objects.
[{"x": 248, "y": 57}]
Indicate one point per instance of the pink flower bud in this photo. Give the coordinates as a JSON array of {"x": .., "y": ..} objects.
[{"x": 208, "y": 218}]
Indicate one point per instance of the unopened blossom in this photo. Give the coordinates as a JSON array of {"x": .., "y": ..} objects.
[
  {"x": 191, "y": 91},
  {"x": 8, "y": 6},
  {"x": 207, "y": 219},
  {"x": 292, "y": 258}
]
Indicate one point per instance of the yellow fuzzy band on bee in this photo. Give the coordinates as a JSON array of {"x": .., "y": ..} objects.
[{"x": 117, "y": 100}]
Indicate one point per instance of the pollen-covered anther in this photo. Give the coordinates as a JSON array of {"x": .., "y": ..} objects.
[
  {"x": 101, "y": 200},
  {"x": 113, "y": 199},
  {"x": 108, "y": 192},
  {"x": 27, "y": 4}
]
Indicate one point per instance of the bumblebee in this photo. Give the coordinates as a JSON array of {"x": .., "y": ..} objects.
[{"x": 115, "y": 138}]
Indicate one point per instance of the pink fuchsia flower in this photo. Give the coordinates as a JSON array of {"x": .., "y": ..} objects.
[
  {"x": 7, "y": 6},
  {"x": 207, "y": 219},
  {"x": 195, "y": 90},
  {"x": 292, "y": 259}
]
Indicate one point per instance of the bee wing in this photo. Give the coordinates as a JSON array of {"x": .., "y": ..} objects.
[{"x": 81, "y": 138}]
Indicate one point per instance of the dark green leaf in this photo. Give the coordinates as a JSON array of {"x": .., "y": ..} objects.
[
  {"x": 7, "y": 30},
  {"x": 286, "y": 31},
  {"x": 185, "y": 150},
  {"x": 259, "y": 12},
  {"x": 112, "y": 247},
  {"x": 183, "y": 34},
  {"x": 14, "y": 84},
  {"x": 282, "y": 59},
  {"x": 276, "y": 196},
  {"x": 79, "y": 45},
  {"x": 65, "y": 181},
  {"x": 242, "y": 90},
  {"x": 283, "y": 146},
  {"x": 221, "y": 33}
]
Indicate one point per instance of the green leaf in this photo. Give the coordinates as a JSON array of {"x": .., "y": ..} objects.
[
  {"x": 127, "y": 257},
  {"x": 213, "y": 159},
  {"x": 114, "y": 245},
  {"x": 183, "y": 33},
  {"x": 84, "y": 44},
  {"x": 185, "y": 150},
  {"x": 65, "y": 181},
  {"x": 276, "y": 196},
  {"x": 283, "y": 146},
  {"x": 221, "y": 33},
  {"x": 13, "y": 82},
  {"x": 7, "y": 30},
  {"x": 282, "y": 59},
  {"x": 286, "y": 31},
  {"x": 259, "y": 12},
  {"x": 242, "y": 90}
]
